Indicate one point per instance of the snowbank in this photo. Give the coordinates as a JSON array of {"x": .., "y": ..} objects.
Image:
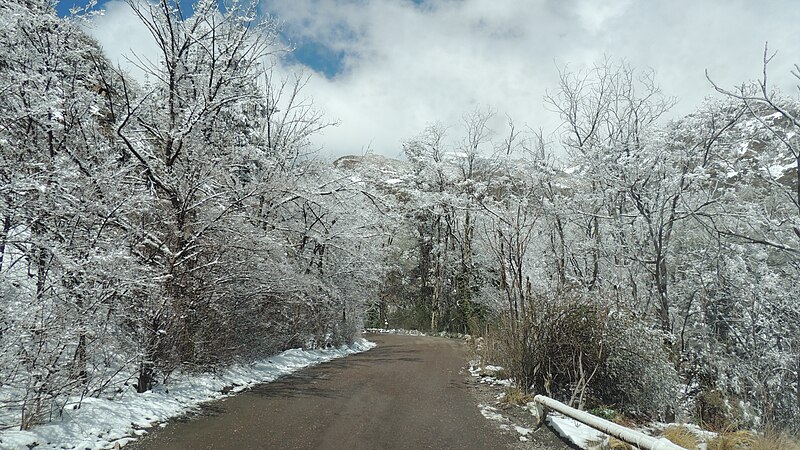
[{"x": 101, "y": 422}]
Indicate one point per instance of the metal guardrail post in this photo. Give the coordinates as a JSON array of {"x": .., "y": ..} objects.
[
  {"x": 624, "y": 434},
  {"x": 541, "y": 413}
]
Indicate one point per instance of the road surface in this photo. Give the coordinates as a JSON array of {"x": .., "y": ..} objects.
[{"x": 410, "y": 392}]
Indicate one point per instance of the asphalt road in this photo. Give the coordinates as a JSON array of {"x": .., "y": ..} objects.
[{"x": 408, "y": 393}]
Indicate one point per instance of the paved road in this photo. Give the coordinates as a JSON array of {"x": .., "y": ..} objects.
[{"x": 408, "y": 393}]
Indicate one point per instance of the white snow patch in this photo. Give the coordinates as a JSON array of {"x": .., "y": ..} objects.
[
  {"x": 522, "y": 430},
  {"x": 395, "y": 331},
  {"x": 491, "y": 413},
  {"x": 403, "y": 331},
  {"x": 98, "y": 423},
  {"x": 496, "y": 382},
  {"x": 394, "y": 181},
  {"x": 474, "y": 368},
  {"x": 480, "y": 372},
  {"x": 581, "y": 435}
]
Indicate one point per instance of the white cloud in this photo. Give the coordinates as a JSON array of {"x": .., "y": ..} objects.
[
  {"x": 123, "y": 36},
  {"x": 595, "y": 14},
  {"x": 411, "y": 65},
  {"x": 407, "y": 65}
]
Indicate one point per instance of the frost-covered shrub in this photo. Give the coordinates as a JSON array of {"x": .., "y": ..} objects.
[
  {"x": 637, "y": 374},
  {"x": 586, "y": 353}
]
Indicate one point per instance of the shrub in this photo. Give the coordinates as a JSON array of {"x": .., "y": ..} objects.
[
  {"x": 589, "y": 354},
  {"x": 637, "y": 374}
]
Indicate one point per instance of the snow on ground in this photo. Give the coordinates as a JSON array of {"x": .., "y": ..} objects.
[
  {"x": 100, "y": 423},
  {"x": 583, "y": 436},
  {"x": 395, "y": 331},
  {"x": 486, "y": 374},
  {"x": 492, "y": 413},
  {"x": 571, "y": 430},
  {"x": 495, "y": 381},
  {"x": 474, "y": 368},
  {"x": 402, "y": 331},
  {"x": 580, "y": 435},
  {"x": 523, "y": 432}
]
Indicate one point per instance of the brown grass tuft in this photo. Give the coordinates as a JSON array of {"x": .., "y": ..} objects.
[
  {"x": 772, "y": 439},
  {"x": 735, "y": 440},
  {"x": 625, "y": 421},
  {"x": 615, "y": 444},
  {"x": 683, "y": 436},
  {"x": 515, "y": 396},
  {"x": 747, "y": 440}
]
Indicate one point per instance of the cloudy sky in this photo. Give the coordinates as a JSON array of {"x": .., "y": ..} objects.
[{"x": 385, "y": 68}]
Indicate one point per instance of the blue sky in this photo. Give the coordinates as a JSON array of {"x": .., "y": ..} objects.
[
  {"x": 318, "y": 57},
  {"x": 384, "y": 69},
  {"x": 313, "y": 54}
]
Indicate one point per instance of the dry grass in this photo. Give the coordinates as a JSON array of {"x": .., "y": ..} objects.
[
  {"x": 515, "y": 396},
  {"x": 625, "y": 421},
  {"x": 615, "y": 444},
  {"x": 683, "y": 436},
  {"x": 772, "y": 439},
  {"x": 735, "y": 440},
  {"x": 748, "y": 440}
]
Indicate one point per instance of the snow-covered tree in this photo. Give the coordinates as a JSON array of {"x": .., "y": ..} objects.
[{"x": 60, "y": 204}]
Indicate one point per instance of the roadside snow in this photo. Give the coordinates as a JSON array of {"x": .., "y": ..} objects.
[
  {"x": 100, "y": 423},
  {"x": 485, "y": 374},
  {"x": 583, "y": 436},
  {"x": 395, "y": 331},
  {"x": 523, "y": 432},
  {"x": 504, "y": 423},
  {"x": 490, "y": 412},
  {"x": 402, "y": 331}
]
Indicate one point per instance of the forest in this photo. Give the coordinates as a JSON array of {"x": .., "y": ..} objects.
[{"x": 186, "y": 221}]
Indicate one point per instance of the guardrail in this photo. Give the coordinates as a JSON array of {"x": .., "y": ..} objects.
[{"x": 545, "y": 404}]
